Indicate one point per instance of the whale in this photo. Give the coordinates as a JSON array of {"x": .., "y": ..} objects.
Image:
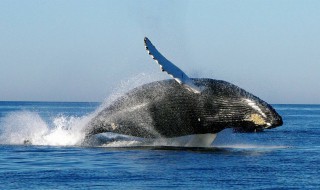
[{"x": 183, "y": 106}]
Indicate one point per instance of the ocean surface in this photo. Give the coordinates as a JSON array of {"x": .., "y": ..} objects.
[{"x": 40, "y": 148}]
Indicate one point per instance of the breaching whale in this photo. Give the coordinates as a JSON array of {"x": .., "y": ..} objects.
[{"x": 183, "y": 106}]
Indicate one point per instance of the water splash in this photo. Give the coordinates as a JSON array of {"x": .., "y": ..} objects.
[
  {"x": 129, "y": 84},
  {"x": 24, "y": 127}
]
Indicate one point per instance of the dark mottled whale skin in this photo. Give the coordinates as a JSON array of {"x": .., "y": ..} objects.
[{"x": 165, "y": 109}]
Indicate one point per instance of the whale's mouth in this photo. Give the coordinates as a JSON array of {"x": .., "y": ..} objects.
[
  {"x": 275, "y": 123},
  {"x": 256, "y": 124}
]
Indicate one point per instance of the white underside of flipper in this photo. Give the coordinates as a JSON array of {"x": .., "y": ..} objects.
[
  {"x": 170, "y": 68},
  {"x": 198, "y": 140}
]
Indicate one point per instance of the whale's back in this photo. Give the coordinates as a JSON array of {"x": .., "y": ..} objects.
[{"x": 167, "y": 109}]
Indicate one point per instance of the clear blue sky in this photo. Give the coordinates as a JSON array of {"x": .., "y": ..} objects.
[{"x": 82, "y": 50}]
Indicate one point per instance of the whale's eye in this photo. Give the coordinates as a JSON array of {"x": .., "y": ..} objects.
[{"x": 256, "y": 119}]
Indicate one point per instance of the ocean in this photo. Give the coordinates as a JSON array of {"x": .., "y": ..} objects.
[{"x": 40, "y": 149}]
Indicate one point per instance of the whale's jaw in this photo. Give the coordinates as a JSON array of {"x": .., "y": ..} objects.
[{"x": 276, "y": 122}]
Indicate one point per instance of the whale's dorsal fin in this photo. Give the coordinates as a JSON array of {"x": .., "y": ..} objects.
[{"x": 170, "y": 68}]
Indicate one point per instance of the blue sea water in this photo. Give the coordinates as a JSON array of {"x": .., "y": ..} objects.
[{"x": 287, "y": 157}]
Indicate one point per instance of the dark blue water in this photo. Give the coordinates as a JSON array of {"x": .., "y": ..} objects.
[{"x": 287, "y": 157}]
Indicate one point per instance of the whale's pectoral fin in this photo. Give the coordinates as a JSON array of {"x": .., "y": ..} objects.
[{"x": 170, "y": 68}]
